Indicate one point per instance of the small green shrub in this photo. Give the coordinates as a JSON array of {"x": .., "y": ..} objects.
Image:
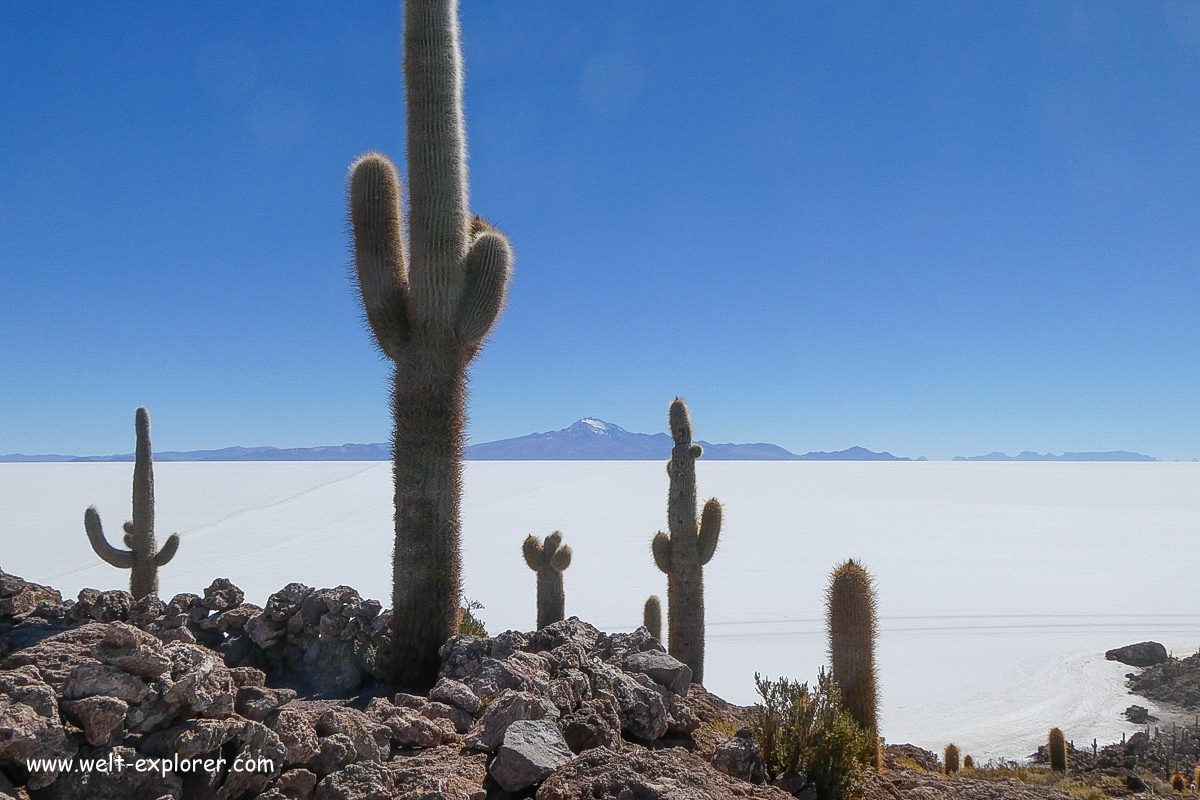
[
  {"x": 810, "y": 731},
  {"x": 469, "y": 623}
]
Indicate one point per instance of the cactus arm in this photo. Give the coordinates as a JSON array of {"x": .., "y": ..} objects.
[
  {"x": 122, "y": 559},
  {"x": 129, "y": 535},
  {"x": 561, "y": 559},
  {"x": 710, "y": 530},
  {"x": 377, "y": 226},
  {"x": 437, "y": 160},
  {"x": 532, "y": 549},
  {"x": 661, "y": 547},
  {"x": 168, "y": 550},
  {"x": 487, "y": 269}
]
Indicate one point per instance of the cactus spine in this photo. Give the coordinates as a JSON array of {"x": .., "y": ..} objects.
[
  {"x": 548, "y": 560},
  {"x": 143, "y": 558},
  {"x": 851, "y": 613},
  {"x": 683, "y": 554},
  {"x": 951, "y": 759},
  {"x": 429, "y": 313},
  {"x": 652, "y": 616},
  {"x": 1179, "y": 783},
  {"x": 1057, "y": 750}
]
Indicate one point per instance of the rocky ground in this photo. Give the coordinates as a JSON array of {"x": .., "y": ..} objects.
[
  {"x": 211, "y": 697},
  {"x": 1174, "y": 681}
]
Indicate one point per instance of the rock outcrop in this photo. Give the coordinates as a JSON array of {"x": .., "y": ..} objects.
[
  {"x": 1142, "y": 654},
  {"x": 206, "y": 695}
]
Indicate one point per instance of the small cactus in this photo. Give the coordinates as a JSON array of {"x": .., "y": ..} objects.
[
  {"x": 143, "y": 558},
  {"x": 1057, "y": 750},
  {"x": 683, "y": 554},
  {"x": 652, "y": 616},
  {"x": 548, "y": 560},
  {"x": 1179, "y": 783},
  {"x": 850, "y": 606},
  {"x": 950, "y": 757},
  {"x": 968, "y": 762}
]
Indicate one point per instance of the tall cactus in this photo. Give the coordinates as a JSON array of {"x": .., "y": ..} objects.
[
  {"x": 683, "y": 554},
  {"x": 1056, "y": 748},
  {"x": 652, "y": 616},
  {"x": 143, "y": 558},
  {"x": 429, "y": 313},
  {"x": 950, "y": 759},
  {"x": 851, "y": 616},
  {"x": 548, "y": 560}
]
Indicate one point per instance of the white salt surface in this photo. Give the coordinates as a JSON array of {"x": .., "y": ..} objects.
[{"x": 1000, "y": 585}]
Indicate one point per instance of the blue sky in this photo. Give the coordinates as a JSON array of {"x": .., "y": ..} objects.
[{"x": 936, "y": 228}]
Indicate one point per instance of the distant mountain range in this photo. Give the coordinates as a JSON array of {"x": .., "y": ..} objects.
[
  {"x": 1029, "y": 455},
  {"x": 589, "y": 439},
  {"x": 592, "y": 439}
]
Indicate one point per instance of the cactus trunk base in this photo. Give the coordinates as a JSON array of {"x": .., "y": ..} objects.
[{"x": 429, "y": 397}]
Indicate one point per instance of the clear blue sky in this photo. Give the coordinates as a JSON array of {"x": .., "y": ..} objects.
[{"x": 935, "y": 228}]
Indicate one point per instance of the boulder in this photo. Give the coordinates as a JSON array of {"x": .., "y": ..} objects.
[
  {"x": 101, "y": 718},
  {"x": 366, "y": 781},
  {"x": 740, "y": 758},
  {"x": 510, "y": 707},
  {"x": 1142, "y": 654},
  {"x": 530, "y": 752},
  {"x": 661, "y": 668}
]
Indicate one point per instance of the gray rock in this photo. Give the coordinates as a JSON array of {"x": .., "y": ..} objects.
[
  {"x": 125, "y": 784},
  {"x": 203, "y": 685},
  {"x": 295, "y": 784},
  {"x": 29, "y": 727},
  {"x": 19, "y": 597},
  {"x": 222, "y": 595},
  {"x": 109, "y": 606},
  {"x": 510, "y": 707},
  {"x": 530, "y": 752},
  {"x": 794, "y": 783},
  {"x": 597, "y": 723},
  {"x": 410, "y": 728},
  {"x": 365, "y": 781},
  {"x": 256, "y": 764},
  {"x": 372, "y": 740},
  {"x": 257, "y": 702},
  {"x": 101, "y": 718},
  {"x": 643, "y": 711},
  {"x": 1142, "y": 654},
  {"x": 455, "y": 693},
  {"x": 133, "y": 651},
  {"x": 297, "y": 732},
  {"x": 660, "y": 667},
  {"x": 57, "y": 656},
  {"x": 146, "y": 611},
  {"x": 333, "y": 753},
  {"x": 263, "y": 630},
  {"x": 460, "y": 719},
  {"x": 740, "y": 758},
  {"x": 25, "y": 685},
  {"x": 247, "y": 676},
  {"x": 92, "y": 678},
  {"x": 193, "y": 738}
]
